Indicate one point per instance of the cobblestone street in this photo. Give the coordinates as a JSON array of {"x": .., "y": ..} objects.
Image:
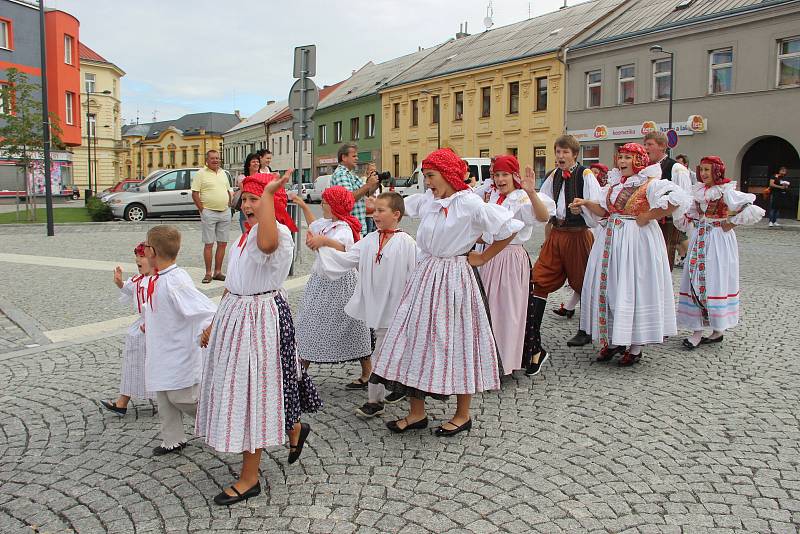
[{"x": 702, "y": 441}]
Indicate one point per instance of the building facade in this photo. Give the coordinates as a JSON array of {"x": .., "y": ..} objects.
[
  {"x": 736, "y": 85},
  {"x": 248, "y": 136},
  {"x": 63, "y": 73},
  {"x": 101, "y": 124},
  {"x": 172, "y": 144}
]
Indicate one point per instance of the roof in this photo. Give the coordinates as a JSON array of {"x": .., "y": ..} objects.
[
  {"x": 87, "y": 54},
  {"x": 259, "y": 117},
  {"x": 643, "y": 16},
  {"x": 539, "y": 35},
  {"x": 372, "y": 77},
  {"x": 191, "y": 124},
  {"x": 286, "y": 113}
]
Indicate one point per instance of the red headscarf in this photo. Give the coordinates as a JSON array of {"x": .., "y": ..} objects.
[
  {"x": 509, "y": 164},
  {"x": 602, "y": 178},
  {"x": 449, "y": 165},
  {"x": 341, "y": 202},
  {"x": 717, "y": 169},
  {"x": 255, "y": 184},
  {"x": 640, "y": 157}
]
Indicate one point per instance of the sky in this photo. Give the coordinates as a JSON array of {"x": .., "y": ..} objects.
[{"x": 189, "y": 56}]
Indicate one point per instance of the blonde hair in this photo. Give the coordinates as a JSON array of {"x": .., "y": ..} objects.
[
  {"x": 658, "y": 137},
  {"x": 165, "y": 240}
]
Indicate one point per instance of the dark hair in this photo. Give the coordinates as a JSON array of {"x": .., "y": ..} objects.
[
  {"x": 569, "y": 142},
  {"x": 212, "y": 151},
  {"x": 344, "y": 150},
  {"x": 262, "y": 152},
  {"x": 684, "y": 157},
  {"x": 250, "y": 157},
  {"x": 395, "y": 201}
]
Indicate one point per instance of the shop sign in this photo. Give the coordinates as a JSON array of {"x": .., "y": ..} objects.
[
  {"x": 601, "y": 132},
  {"x": 328, "y": 161}
]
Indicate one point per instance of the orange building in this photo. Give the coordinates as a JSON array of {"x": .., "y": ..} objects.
[{"x": 63, "y": 73}]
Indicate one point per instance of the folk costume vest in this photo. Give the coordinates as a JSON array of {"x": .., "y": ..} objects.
[{"x": 573, "y": 188}]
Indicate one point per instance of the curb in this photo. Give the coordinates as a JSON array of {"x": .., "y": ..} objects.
[{"x": 28, "y": 324}]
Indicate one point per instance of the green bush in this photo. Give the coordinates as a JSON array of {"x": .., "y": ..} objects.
[{"x": 98, "y": 210}]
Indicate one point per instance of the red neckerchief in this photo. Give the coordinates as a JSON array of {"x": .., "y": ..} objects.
[
  {"x": 139, "y": 289},
  {"x": 243, "y": 239},
  {"x": 151, "y": 286},
  {"x": 566, "y": 175},
  {"x": 445, "y": 211},
  {"x": 500, "y": 199},
  {"x": 382, "y": 242}
]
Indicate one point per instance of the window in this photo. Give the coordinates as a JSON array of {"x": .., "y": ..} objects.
[
  {"x": 512, "y": 151},
  {"x": 160, "y": 158},
  {"x": 459, "y": 106},
  {"x": 92, "y": 125},
  {"x": 280, "y": 145},
  {"x": 397, "y": 164},
  {"x": 354, "y": 129},
  {"x": 5, "y": 99},
  {"x": 513, "y": 98},
  {"x": 288, "y": 146},
  {"x": 370, "y": 119},
  {"x": 541, "y": 94},
  {"x": 196, "y": 157},
  {"x": 486, "y": 101},
  {"x": 396, "y": 115},
  {"x": 150, "y": 158},
  {"x": 540, "y": 164},
  {"x": 590, "y": 154},
  {"x": 6, "y": 40},
  {"x": 89, "y": 82},
  {"x": 184, "y": 156},
  {"x": 172, "y": 158},
  {"x": 414, "y": 112},
  {"x": 662, "y": 75},
  {"x": 68, "y": 45},
  {"x": 788, "y": 62},
  {"x": 626, "y": 93},
  {"x": 168, "y": 182},
  {"x": 413, "y": 162},
  {"x": 323, "y": 134},
  {"x": 337, "y": 132},
  {"x": 720, "y": 76},
  {"x": 69, "y": 111},
  {"x": 484, "y": 153},
  {"x": 594, "y": 88},
  {"x": 435, "y": 109}
]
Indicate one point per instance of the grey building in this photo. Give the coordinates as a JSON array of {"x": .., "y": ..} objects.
[
  {"x": 19, "y": 42},
  {"x": 736, "y": 84},
  {"x": 248, "y": 136}
]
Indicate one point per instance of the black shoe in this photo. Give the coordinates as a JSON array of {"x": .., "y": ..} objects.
[
  {"x": 392, "y": 425},
  {"x": 394, "y": 397},
  {"x": 223, "y": 499},
  {"x": 161, "y": 450},
  {"x": 629, "y": 359},
  {"x": 296, "y": 450},
  {"x": 534, "y": 368},
  {"x": 357, "y": 384},
  {"x": 370, "y": 409},
  {"x": 112, "y": 406},
  {"x": 709, "y": 341},
  {"x": 606, "y": 353},
  {"x": 580, "y": 339},
  {"x": 688, "y": 345},
  {"x": 563, "y": 312},
  {"x": 443, "y": 432}
]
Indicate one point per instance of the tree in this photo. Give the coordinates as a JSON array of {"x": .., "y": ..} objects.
[{"x": 21, "y": 136}]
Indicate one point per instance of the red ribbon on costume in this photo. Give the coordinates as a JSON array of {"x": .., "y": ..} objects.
[
  {"x": 341, "y": 202},
  {"x": 243, "y": 239},
  {"x": 382, "y": 242},
  {"x": 151, "y": 286},
  {"x": 566, "y": 175},
  {"x": 139, "y": 296},
  {"x": 501, "y": 199}
]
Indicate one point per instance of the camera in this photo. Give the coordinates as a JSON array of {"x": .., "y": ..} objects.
[{"x": 385, "y": 175}]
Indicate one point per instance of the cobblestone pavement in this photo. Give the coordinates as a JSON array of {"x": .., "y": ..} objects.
[
  {"x": 702, "y": 441},
  {"x": 12, "y": 337}
]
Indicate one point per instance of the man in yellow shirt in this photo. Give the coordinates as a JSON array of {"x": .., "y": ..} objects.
[{"x": 211, "y": 193}]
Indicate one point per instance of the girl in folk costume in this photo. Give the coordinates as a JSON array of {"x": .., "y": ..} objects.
[
  {"x": 253, "y": 388},
  {"x": 325, "y": 333},
  {"x": 507, "y": 276},
  {"x": 132, "y": 291},
  {"x": 709, "y": 294},
  {"x": 439, "y": 341},
  {"x": 627, "y": 301}
]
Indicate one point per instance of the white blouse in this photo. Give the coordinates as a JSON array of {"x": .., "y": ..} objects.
[
  {"x": 748, "y": 213},
  {"x": 176, "y": 315},
  {"x": 591, "y": 191},
  {"x": 251, "y": 271},
  {"x": 132, "y": 294},
  {"x": 380, "y": 285},
  {"x": 451, "y": 226},
  {"x": 518, "y": 202},
  {"x": 337, "y": 230},
  {"x": 660, "y": 193}
]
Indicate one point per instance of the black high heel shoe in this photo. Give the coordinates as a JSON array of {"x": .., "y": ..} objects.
[
  {"x": 296, "y": 450},
  {"x": 443, "y": 432},
  {"x": 223, "y": 499}
]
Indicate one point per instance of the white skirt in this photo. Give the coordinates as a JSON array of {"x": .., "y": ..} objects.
[
  {"x": 440, "y": 341},
  {"x": 637, "y": 305},
  {"x": 131, "y": 381},
  {"x": 709, "y": 294}
]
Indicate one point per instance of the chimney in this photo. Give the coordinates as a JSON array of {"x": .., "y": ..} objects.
[
  {"x": 236, "y": 112},
  {"x": 270, "y": 102},
  {"x": 565, "y": 5},
  {"x": 462, "y": 31}
]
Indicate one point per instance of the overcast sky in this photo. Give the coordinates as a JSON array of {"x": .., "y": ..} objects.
[{"x": 185, "y": 56}]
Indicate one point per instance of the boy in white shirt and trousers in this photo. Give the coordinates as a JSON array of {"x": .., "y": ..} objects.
[{"x": 176, "y": 315}]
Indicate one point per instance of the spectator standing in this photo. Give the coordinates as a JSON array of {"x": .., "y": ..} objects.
[
  {"x": 211, "y": 193},
  {"x": 778, "y": 185},
  {"x": 345, "y": 176},
  {"x": 265, "y": 158},
  {"x": 252, "y": 164}
]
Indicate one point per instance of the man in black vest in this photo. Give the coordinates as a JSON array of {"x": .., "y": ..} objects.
[
  {"x": 566, "y": 249},
  {"x": 656, "y": 145}
]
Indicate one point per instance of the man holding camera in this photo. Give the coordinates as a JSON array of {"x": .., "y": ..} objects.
[{"x": 345, "y": 176}]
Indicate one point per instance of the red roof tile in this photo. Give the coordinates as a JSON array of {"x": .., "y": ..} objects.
[{"x": 87, "y": 53}]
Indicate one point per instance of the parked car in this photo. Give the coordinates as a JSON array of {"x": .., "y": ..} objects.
[
  {"x": 165, "y": 193},
  {"x": 320, "y": 184},
  {"x": 122, "y": 185},
  {"x": 478, "y": 167},
  {"x": 305, "y": 191}
]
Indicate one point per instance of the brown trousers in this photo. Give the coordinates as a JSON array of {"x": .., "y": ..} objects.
[
  {"x": 563, "y": 258},
  {"x": 672, "y": 237}
]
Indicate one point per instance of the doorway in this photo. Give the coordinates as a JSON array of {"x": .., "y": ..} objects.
[{"x": 761, "y": 161}]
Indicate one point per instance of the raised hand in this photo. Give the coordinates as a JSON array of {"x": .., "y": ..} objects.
[
  {"x": 118, "y": 276},
  {"x": 529, "y": 180},
  {"x": 277, "y": 184}
]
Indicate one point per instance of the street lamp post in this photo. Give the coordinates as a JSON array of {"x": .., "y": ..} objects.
[
  {"x": 658, "y": 49},
  {"x": 89, "y": 188},
  {"x": 48, "y": 186},
  {"x": 438, "y": 116}
]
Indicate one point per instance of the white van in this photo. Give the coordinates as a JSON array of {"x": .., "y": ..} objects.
[{"x": 478, "y": 167}]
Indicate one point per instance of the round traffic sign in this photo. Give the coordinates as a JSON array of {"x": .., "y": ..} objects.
[
  {"x": 672, "y": 138},
  {"x": 295, "y": 99}
]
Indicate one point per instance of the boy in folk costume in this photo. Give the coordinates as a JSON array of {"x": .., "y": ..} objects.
[
  {"x": 627, "y": 301},
  {"x": 506, "y": 278},
  {"x": 566, "y": 249},
  {"x": 325, "y": 333},
  {"x": 709, "y": 294},
  {"x": 175, "y": 314},
  {"x": 253, "y": 389},
  {"x": 385, "y": 261},
  {"x": 439, "y": 341},
  {"x": 133, "y": 355}
]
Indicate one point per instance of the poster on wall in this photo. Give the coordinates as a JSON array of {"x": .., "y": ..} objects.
[{"x": 36, "y": 177}]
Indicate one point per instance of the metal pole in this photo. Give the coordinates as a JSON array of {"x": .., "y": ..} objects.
[
  {"x": 438, "y": 122},
  {"x": 48, "y": 187},
  {"x": 671, "y": 87},
  {"x": 297, "y": 181},
  {"x": 88, "y": 145}
]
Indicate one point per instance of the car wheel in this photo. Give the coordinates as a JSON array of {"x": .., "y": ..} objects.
[
  {"x": 135, "y": 213},
  {"x": 75, "y": 195},
  {"x": 308, "y": 198}
]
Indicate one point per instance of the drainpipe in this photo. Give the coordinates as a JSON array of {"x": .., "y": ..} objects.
[{"x": 563, "y": 60}]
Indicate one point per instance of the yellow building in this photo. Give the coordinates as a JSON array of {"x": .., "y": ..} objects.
[
  {"x": 104, "y": 122},
  {"x": 497, "y": 92},
  {"x": 172, "y": 144}
]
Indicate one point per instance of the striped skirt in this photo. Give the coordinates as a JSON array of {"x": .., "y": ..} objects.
[
  {"x": 131, "y": 381},
  {"x": 440, "y": 341},
  {"x": 253, "y": 389}
]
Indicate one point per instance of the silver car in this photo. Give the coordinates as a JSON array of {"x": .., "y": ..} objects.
[{"x": 168, "y": 193}]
